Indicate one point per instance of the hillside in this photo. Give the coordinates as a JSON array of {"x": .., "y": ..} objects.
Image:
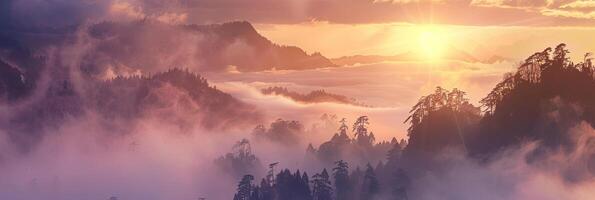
[
  {"x": 216, "y": 47},
  {"x": 543, "y": 101},
  {"x": 175, "y": 97},
  {"x": 317, "y": 96},
  {"x": 145, "y": 47}
]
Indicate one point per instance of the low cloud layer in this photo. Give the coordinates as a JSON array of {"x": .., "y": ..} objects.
[
  {"x": 83, "y": 160},
  {"x": 392, "y": 88},
  {"x": 510, "y": 175}
]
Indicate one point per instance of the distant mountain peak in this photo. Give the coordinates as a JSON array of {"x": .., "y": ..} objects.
[
  {"x": 451, "y": 53},
  {"x": 214, "y": 47},
  {"x": 245, "y": 26}
]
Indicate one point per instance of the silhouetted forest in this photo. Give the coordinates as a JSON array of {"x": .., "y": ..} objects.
[
  {"x": 540, "y": 102},
  {"x": 316, "y": 96},
  {"x": 134, "y": 95},
  {"x": 385, "y": 179},
  {"x": 240, "y": 161},
  {"x": 176, "y": 96},
  {"x": 378, "y": 182},
  {"x": 281, "y": 131},
  {"x": 360, "y": 148},
  {"x": 546, "y": 96}
]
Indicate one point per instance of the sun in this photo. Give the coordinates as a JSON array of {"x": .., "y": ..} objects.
[{"x": 432, "y": 42}]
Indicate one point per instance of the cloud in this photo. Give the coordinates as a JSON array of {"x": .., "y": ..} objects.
[
  {"x": 58, "y": 13},
  {"x": 513, "y": 3},
  {"x": 561, "y": 174},
  {"x": 405, "y": 1},
  {"x": 579, "y": 4},
  {"x": 461, "y": 12},
  {"x": 121, "y": 8},
  {"x": 126, "y": 9},
  {"x": 569, "y": 14}
]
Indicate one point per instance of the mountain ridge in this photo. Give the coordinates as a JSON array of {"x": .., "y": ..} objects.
[
  {"x": 453, "y": 54},
  {"x": 212, "y": 47}
]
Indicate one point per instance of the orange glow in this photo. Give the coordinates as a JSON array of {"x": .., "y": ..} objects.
[{"x": 432, "y": 42}]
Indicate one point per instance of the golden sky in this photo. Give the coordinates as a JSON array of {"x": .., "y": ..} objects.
[
  {"x": 507, "y": 28},
  {"x": 514, "y": 42},
  {"x": 455, "y": 12},
  {"x": 460, "y": 12}
]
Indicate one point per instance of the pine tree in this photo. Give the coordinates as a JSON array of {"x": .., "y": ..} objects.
[
  {"x": 283, "y": 185},
  {"x": 360, "y": 129},
  {"x": 321, "y": 186},
  {"x": 342, "y": 184},
  {"x": 400, "y": 183},
  {"x": 342, "y": 137},
  {"x": 394, "y": 155},
  {"x": 244, "y": 188},
  {"x": 356, "y": 177},
  {"x": 266, "y": 189},
  {"x": 306, "y": 193},
  {"x": 370, "y": 185},
  {"x": 256, "y": 193}
]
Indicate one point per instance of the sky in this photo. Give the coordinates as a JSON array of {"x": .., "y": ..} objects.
[
  {"x": 513, "y": 42},
  {"x": 337, "y": 28},
  {"x": 484, "y": 28},
  {"x": 459, "y": 12}
]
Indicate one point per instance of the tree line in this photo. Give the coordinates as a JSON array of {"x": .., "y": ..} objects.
[{"x": 339, "y": 185}]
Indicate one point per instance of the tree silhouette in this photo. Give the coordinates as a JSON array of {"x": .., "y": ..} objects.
[
  {"x": 363, "y": 147},
  {"x": 240, "y": 161},
  {"x": 244, "y": 191},
  {"x": 322, "y": 188},
  {"x": 514, "y": 110},
  {"x": 293, "y": 186},
  {"x": 360, "y": 130},
  {"x": 343, "y": 128},
  {"x": 343, "y": 186},
  {"x": 400, "y": 184},
  {"x": 370, "y": 185},
  {"x": 286, "y": 132},
  {"x": 442, "y": 120},
  {"x": 394, "y": 155},
  {"x": 266, "y": 190}
]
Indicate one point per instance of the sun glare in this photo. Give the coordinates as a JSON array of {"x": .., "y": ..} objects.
[{"x": 432, "y": 43}]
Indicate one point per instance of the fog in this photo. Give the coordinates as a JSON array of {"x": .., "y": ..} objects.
[
  {"x": 81, "y": 160},
  {"x": 560, "y": 175},
  {"x": 391, "y": 88}
]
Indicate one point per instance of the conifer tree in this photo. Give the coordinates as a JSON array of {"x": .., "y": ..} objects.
[
  {"x": 370, "y": 185},
  {"x": 341, "y": 178},
  {"x": 400, "y": 184},
  {"x": 244, "y": 190},
  {"x": 321, "y": 186}
]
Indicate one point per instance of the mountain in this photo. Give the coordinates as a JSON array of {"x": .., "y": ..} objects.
[
  {"x": 105, "y": 50},
  {"x": 174, "y": 97},
  {"x": 317, "y": 96},
  {"x": 451, "y": 53},
  {"x": 216, "y": 47}
]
